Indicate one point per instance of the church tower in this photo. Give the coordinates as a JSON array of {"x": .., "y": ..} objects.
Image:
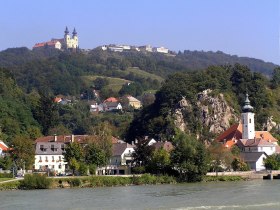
[
  {"x": 248, "y": 123},
  {"x": 75, "y": 39},
  {"x": 67, "y": 39}
]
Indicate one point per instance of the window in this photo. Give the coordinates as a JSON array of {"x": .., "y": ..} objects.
[
  {"x": 59, "y": 166},
  {"x": 53, "y": 148},
  {"x": 42, "y": 148},
  {"x": 62, "y": 147},
  {"x": 59, "y": 158},
  {"x": 52, "y": 158},
  {"x": 250, "y": 120},
  {"x": 46, "y": 159},
  {"x": 40, "y": 159}
]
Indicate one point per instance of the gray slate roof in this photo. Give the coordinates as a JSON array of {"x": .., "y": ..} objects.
[
  {"x": 251, "y": 156},
  {"x": 119, "y": 148},
  {"x": 49, "y": 148}
]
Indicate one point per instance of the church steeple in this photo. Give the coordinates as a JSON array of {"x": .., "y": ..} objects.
[
  {"x": 74, "y": 32},
  {"x": 247, "y": 107},
  {"x": 66, "y": 31},
  {"x": 248, "y": 121}
]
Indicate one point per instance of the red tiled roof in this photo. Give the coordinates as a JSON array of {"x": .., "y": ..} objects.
[
  {"x": 230, "y": 135},
  {"x": 3, "y": 146},
  {"x": 255, "y": 142},
  {"x": 111, "y": 99},
  {"x": 234, "y": 133},
  {"x": 42, "y": 44},
  {"x": 67, "y": 139},
  {"x": 57, "y": 99},
  {"x": 62, "y": 138}
]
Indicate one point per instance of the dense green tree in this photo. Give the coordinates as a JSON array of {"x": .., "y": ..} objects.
[
  {"x": 134, "y": 89},
  {"x": 275, "y": 81},
  {"x": 74, "y": 155},
  {"x": 143, "y": 153},
  {"x": 189, "y": 158},
  {"x": 95, "y": 155},
  {"x": 160, "y": 161},
  {"x": 23, "y": 152},
  {"x": 74, "y": 151},
  {"x": 102, "y": 137},
  {"x": 46, "y": 112},
  {"x": 220, "y": 156},
  {"x": 272, "y": 162},
  {"x": 6, "y": 162},
  {"x": 100, "y": 82}
]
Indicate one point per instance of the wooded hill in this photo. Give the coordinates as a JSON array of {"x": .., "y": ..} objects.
[{"x": 30, "y": 79}]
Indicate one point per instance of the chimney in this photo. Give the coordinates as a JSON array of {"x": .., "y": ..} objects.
[
  {"x": 72, "y": 138},
  {"x": 55, "y": 137}
]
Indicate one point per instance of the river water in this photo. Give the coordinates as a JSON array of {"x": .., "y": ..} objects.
[{"x": 257, "y": 194}]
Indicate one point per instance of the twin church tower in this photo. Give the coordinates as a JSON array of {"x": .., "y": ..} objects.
[{"x": 66, "y": 43}]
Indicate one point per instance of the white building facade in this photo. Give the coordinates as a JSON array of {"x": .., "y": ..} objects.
[{"x": 49, "y": 157}]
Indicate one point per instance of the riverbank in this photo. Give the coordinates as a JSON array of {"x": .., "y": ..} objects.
[{"x": 42, "y": 182}]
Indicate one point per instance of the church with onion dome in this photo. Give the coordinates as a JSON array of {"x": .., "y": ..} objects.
[
  {"x": 67, "y": 43},
  {"x": 255, "y": 146}
]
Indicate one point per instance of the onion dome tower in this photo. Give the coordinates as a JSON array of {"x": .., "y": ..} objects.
[{"x": 248, "y": 122}]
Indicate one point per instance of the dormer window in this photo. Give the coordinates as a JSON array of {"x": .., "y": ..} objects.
[
  {"x": 53, "y": 148},
  {"x": 42, "y": 148}
]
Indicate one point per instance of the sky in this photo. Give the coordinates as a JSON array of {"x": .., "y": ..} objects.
[{"x": 237, "y": 27}]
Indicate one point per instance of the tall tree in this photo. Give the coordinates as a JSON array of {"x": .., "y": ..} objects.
[
  {"x": 189, "y": 158},
  {"x": 23, "y": 152}
]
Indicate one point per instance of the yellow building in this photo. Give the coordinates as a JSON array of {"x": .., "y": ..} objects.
[
  {"x": 66, "y": 43},
  {"x": 133, "y": 102}
]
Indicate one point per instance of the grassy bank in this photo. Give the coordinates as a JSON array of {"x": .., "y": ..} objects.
[
  {"x": 223, "y": 178},
  {"x": 42, "y": 182}
]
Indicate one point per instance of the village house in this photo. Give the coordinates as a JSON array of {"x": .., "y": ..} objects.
[
  {"x": 49, "y": 152},
  {"x": 134, "y": 102},
  {"x": 112, "y": 106},
  {"x": 121, "y": 160},
  {"x": 255, "y": 146}
]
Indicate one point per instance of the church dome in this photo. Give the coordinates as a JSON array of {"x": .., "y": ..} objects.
[{"x": 247, "y": 107}]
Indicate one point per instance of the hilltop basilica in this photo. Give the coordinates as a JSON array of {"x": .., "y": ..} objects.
[{"x": 66, "y": 43}]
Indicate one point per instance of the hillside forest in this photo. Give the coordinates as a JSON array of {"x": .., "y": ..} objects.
[{"x": 31, "y": 79}]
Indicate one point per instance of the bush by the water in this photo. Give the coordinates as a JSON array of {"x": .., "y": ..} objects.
[
  {"x": 35, "y": 181},
  {"x": 75, "y": 182},
  {"x": 222, "y": 178},
  {"x": 10, "y": 185}
]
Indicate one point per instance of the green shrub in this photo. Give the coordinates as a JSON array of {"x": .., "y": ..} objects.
[
  {"x": 10, "y": 185},
  {"x": 6, "y": 175},
  {"x": 35, "y": 181},
  {"x": 222, "y": 178},
  {"x": 75, "y": 182},
  {"x": 92, "y": 169}
]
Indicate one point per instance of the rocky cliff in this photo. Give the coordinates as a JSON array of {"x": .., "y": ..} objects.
[{"x": 213, "y": 112}]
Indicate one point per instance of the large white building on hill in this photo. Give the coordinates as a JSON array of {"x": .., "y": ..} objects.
[{"x": 66, "y": 43}]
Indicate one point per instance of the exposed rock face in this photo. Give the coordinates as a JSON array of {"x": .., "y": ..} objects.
[
  {"x": 270, "y": 124},
  {"x": 178, "y": 114},
  {"x": 214, "y": 112}
]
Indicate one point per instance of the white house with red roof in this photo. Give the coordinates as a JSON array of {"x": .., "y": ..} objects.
[{"x": 49, "y": 152}]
